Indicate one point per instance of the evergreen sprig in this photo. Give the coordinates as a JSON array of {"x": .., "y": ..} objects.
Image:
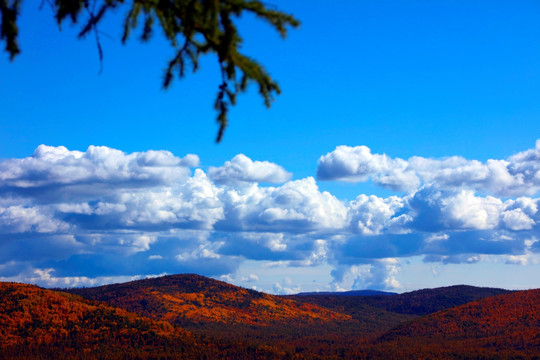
[
  {"x": 193, "y": 28},
  {"x": 9, "y": 11}
]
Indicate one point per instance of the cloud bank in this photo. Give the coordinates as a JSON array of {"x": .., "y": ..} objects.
[
  {"x": 72, "y": 218},
  {"x": 519, "y": 175},
  {"x": 242, "y": 170}
]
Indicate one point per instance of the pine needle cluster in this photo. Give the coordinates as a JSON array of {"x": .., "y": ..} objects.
[{"x": 192, "y": 27}]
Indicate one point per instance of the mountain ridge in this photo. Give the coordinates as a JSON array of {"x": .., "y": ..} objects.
[
  {"x": 154, "y": 316},
  {"x": 504, "y": 326},
  {"x": 38, "y": 323},
  {"x": 366, "y": 292},
  {"x": 231, "y": 303}
]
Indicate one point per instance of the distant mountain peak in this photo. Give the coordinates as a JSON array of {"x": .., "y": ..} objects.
[
  {"x": 185, "y": 299},
  {"x": 366, "y": 292}
]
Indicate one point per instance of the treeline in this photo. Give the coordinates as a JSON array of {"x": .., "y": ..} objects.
[
  {"x": 192, "y": 317},
  {"x": 43, "y": 324}
]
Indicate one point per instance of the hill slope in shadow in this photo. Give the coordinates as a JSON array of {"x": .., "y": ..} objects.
[
  {"x": 420, "y": 302},
  {"x": 500, "y": 327}
]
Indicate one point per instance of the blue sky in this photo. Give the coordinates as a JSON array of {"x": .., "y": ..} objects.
[{"x": 401, "y": 154}]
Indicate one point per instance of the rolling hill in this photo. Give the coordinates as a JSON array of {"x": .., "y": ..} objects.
[
  {"x": 214, "y": 308},
  {"x": 194, "y": 317},
  {"x": 427, "y": 301},
  {"x": 189, "y": 298},
  {"x": 500, "y": 327},
  {"x": 37, "y": 323},
  {"x": 348, "y": 293},
  {"x": 420, "y": 302}
]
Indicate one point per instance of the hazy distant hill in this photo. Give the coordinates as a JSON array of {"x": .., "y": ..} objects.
[
  {"x": 427, "y": 301},
  {"x": 348, "y": 293},
  {"x": 420, "y": 302},
  {"x": 501, "y": 327}
]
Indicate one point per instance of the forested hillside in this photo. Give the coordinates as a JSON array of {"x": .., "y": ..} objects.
[
  {"x": 420, "y": 302},
  {"x": 500, "y": 327},
  {"x": 194, "y": 317},
  {"x": 223, "y": 311},
  {"x": 190, "y": 298},
  {"x": 44, "y": 324}
]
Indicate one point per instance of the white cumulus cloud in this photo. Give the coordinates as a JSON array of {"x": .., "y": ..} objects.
[
  {"x": 516, "y": 176},
  {"x": 242, "y": 170},
  {"x": 104, "y": 213},
  {"x": 59, "y": 167}
]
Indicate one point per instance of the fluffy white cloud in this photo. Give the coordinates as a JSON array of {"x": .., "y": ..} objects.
[
  {"x": 250, "y": 278},
  {"x": 466, "y": 211},
  {"x": 273, "y": 241},
  {"x": 434, "y": 211},
  {"x": 59, "y": 167},
  {"x": 519, "y": 175},
  {"x": 46, "y": 278},
  {"x": 371, "y": 215},
  {"x": 318, "y": 255},
  {"x": 358, "y": 164},
  {"x": 194, "y": 203},
  {"x": 521, "y": 214},
  {"x": 33, "y": 219},
  {"x": 294, "y": 206},
  {"x": 105, "y": 213},
  {"x": 242, "y": 170},
  {"x": 379, "y": 274},
  {"x": 516, "y": 219},
  {"x": 285, "y": 287}
]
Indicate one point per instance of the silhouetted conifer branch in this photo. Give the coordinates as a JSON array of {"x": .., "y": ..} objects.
[{"x": 206, "y": 26}]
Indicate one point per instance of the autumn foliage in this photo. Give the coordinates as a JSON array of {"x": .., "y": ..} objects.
[
  {"x": 500, "y": 327},
  {"x": 44, "y": 324},
  {"x": 192, "y": 298},
  {"x": 193, "y": 317}
]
